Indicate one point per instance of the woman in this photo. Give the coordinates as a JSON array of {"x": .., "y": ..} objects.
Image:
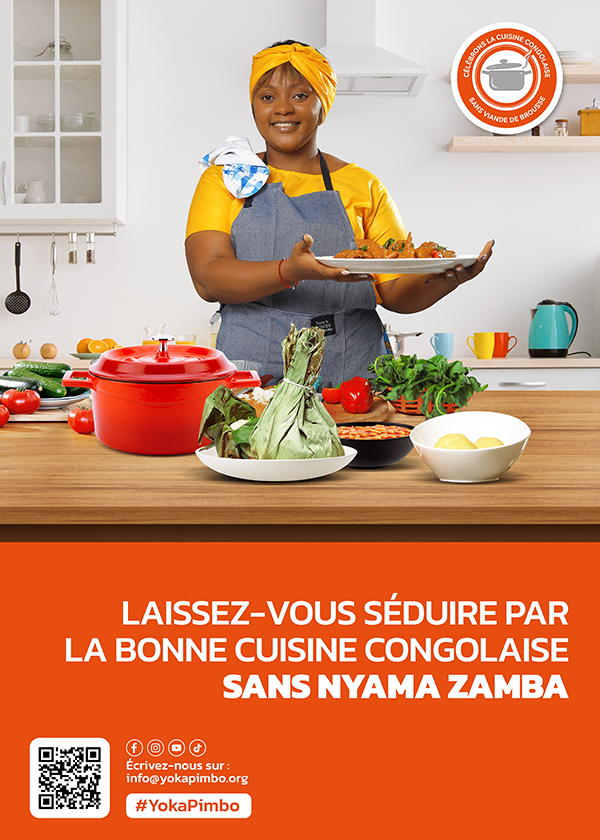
[{"x": 256, "y": 255}]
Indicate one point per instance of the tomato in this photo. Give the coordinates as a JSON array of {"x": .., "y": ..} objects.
[
  {"x": 4, "y": 415},
  {"x": 21, "y": 402},
  {"x": 81, "y": 420},
  {"x": 331, "y": 395},
  {"x": 436, "y": 254}
]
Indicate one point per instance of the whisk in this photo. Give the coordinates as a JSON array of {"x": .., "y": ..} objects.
[{"x": 53, "y": 304}]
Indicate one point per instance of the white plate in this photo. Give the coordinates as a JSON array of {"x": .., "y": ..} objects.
[
  {"x": 57, "y": 402},
  {"x": 85, "y": 356},
  {"x": 397, "y": 266},
  {"x": 267, "y": 470}
]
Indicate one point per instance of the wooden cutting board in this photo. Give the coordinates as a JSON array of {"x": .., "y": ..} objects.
[{"x": 50, "y": 415}]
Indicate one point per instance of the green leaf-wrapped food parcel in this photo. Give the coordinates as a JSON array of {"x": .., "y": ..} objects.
[
  {"x": 228, "y": 421},
  {"x": 295, "y": 424}
]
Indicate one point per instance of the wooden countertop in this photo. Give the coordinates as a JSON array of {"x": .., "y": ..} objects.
[{"x": 54, "y": 477}]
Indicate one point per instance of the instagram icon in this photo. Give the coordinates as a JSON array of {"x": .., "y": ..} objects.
[{"x": 155, "y": 747}]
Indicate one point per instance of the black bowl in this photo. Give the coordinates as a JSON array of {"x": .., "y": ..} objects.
[{"x": 373, "y": 454}]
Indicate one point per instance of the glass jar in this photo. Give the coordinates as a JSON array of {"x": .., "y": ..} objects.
[
  {"x": 561, "y": 128},
  {"x": 64, "y": 51}
]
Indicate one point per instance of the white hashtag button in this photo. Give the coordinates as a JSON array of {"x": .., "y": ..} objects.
[{"x": 225, "y": 806}]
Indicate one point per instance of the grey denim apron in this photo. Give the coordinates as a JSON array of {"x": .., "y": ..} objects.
[{"x": 267, "y": 228}]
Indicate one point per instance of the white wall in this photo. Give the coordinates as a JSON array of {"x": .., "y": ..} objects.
[{"x": 189, "y": 63}]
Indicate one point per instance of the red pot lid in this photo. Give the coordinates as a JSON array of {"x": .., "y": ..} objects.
[{"x": 165, "y": 363}]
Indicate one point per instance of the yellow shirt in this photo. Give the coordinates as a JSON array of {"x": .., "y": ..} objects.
[{"x": 371, "y": 209}]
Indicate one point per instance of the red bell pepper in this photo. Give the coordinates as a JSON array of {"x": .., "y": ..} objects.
[
  {"x": 356, "y": 395},
  {"x": 331, "y": 395}
]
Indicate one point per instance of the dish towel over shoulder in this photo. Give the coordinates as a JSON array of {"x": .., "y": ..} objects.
[{"x": 244, "y": 173}]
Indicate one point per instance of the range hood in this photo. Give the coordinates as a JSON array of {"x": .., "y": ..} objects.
[{"x": 360, "y": 65}]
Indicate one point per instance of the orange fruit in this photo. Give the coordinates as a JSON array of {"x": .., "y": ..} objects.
[
  {"x": 110, "y": 343},
  {"x": 82, "y": 346},
  {"x": 96, "y": 345}
]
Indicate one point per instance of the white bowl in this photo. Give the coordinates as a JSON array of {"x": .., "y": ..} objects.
[
  {"x": 467, "y": 466},
  {"x": 273, "y": 470}
]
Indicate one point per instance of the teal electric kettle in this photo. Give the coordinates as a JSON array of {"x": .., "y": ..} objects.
[{"x": 552, "y": 330}]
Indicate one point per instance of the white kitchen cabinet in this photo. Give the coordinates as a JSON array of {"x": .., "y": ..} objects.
[
  {"x": 73, "y": 100},
  {"x": 570, "y": 374}
]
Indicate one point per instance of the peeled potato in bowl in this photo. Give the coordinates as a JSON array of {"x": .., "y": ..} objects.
[
  {"x": 454, "y": 441},
  {"x": 504, "y": 436},
  {"x": 486, "y": 442}
]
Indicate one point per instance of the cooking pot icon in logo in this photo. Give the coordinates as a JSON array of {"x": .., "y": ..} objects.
[{"x": 508, "y": 75}]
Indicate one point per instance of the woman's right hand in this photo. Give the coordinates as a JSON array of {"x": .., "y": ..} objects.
[{"x": 303, "y": 265}]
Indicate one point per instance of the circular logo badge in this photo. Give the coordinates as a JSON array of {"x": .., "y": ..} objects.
[{"x": 506, "y": 78}]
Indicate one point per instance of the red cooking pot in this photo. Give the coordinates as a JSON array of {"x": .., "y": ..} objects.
[{"x": 149, "y": 399}]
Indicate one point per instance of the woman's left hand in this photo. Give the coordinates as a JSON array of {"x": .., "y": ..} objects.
[{"x": 459, "y": 274}]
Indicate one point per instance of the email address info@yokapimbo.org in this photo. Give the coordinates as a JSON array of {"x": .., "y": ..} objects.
[{"x": 179, "y": 778}]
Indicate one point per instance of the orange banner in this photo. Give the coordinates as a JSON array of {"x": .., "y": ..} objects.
[{"x": 327, "y": 690}]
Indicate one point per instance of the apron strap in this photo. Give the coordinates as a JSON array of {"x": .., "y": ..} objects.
[{"x": 324, "y": 173}]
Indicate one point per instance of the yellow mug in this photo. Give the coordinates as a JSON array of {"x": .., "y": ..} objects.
[{"x": 484, "y": 344}]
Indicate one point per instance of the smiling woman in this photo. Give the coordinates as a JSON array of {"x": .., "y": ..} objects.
[{"x": 257, "y": 222}]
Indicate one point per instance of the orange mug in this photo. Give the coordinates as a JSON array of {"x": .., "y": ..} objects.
[{"x": 501, "y": 344}]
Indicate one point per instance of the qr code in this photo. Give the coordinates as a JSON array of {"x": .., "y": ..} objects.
[{"x": 69, "y": 777}]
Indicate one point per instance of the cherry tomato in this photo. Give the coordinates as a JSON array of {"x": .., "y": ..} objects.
[
  {"x": 81, "y": 420},
  {"x": 436, "y": 254},
  {"x": 21, "y": 402},
  {"x": 4, "y": 415},
  {"x": 331, "y": 395}
]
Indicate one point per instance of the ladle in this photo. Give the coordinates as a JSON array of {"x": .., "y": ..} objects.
[{"x": 17, "y": 302}]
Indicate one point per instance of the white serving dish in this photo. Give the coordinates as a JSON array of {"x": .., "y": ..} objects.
[
  {"x": 397, "y": 266},
  {"x": 467, "y": 466},
  {"x": 273, "y": 470}
]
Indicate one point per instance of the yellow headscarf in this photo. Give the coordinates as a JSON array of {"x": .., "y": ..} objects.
[{"x": 315, "y": 68}]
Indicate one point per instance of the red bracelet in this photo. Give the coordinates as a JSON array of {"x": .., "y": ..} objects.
[{"x": 281, "y": 278}]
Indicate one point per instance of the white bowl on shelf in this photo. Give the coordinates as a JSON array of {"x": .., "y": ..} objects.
[{"x": 468, "y": 466}]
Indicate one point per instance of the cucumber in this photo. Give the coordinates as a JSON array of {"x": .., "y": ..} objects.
[
  {"x": 21, "y": 383},
  {"x": 50, "y": 387},
  {"x": 55, "y": 370},
  {"x": 74, "y": 392}
]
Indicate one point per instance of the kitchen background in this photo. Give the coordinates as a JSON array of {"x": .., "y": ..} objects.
[{"x": 188, "y": 68}]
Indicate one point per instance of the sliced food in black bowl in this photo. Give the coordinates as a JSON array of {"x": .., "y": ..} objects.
[{"x": 377, "y": 444}]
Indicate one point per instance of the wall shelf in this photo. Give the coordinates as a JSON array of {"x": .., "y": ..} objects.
[
  {"x": 525, "y": 143},
  {"x": 580, "y": 74}
]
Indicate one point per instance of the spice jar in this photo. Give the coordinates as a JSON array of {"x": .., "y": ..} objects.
[
  {"x": 561, "y": 128},
  {"x": 590, "y": 119},
  {"x": 73, "y": 248},
  {"x": 90, "y": 247}
]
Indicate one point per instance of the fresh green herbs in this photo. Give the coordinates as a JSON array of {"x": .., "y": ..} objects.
[{"x": 438, "y": 381}]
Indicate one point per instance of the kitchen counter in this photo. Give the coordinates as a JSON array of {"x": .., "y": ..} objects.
[
  {"x": 526, "y": 362},
  {"x": 57, "y": 485}
]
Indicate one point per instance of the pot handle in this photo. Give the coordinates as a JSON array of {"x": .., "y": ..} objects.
[
  {"x": 242, "y": 379},
  {"x": 77, "y": 379}
]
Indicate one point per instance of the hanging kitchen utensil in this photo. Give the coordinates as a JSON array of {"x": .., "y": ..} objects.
[
  {"x": 17, "y": 302},
  {"x": 52, "y": 304}
]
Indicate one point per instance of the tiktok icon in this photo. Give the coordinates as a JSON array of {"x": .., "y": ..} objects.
[{"x": 197, "y": 747}]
